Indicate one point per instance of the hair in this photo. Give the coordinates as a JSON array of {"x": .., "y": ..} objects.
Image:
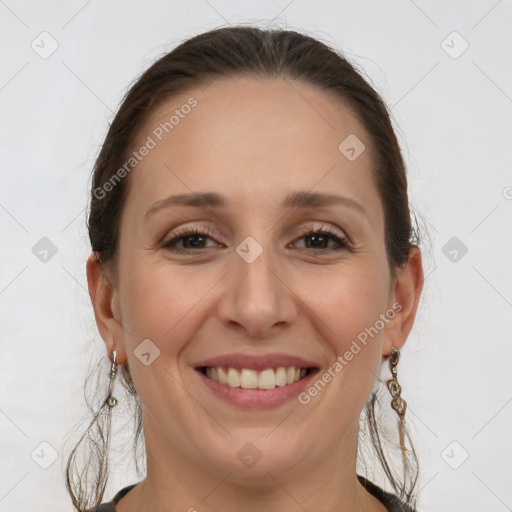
[{"x": 231, "y": 52}]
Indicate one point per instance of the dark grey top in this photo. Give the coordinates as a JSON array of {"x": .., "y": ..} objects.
[{"x": 390, "y": 501}]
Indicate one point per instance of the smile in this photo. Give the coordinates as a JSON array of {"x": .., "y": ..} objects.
[
  {"x": 248, "y": 378},
  {"x": 248, "y": 388}
]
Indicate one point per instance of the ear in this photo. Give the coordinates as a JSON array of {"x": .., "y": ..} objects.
[
  {"x": 405, "y": 296},
  {"x": 104, "y": 298}
]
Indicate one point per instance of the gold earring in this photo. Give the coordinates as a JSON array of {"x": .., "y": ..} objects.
[
  {"x": 110, "y": 400},
  {"x": 397, "y": 403}
]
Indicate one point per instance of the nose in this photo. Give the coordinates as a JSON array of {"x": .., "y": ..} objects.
[{"x": 256, "y": 298}]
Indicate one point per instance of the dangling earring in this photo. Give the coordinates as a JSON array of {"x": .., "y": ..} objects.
[
  {"x": 110, "y": 400},
  {"x": 397, "y": 403}
]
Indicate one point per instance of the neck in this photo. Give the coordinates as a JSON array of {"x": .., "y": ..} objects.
[{"x": 175, "y": 481}]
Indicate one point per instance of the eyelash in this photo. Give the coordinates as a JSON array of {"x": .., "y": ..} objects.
[{"x": 305, "y": 232}]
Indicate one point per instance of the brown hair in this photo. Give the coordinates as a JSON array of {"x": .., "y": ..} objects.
[{"x": 227, "y": 52}]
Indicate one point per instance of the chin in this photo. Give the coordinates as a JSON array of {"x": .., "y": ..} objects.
[{"x": 253, "y": 461}]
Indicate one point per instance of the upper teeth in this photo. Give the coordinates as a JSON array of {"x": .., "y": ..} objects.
[{"x": 251, "y": 379}]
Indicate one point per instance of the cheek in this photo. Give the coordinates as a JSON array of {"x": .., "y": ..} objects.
[
  {"x": 160, "y": 294},
  {"x": 347, "y": 304},
  {"x": 157, "y": 304},
  {"x": 348, "y": 312}
]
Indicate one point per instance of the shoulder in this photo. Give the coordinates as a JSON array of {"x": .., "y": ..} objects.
[
  {"x": 103, "y": 507},
  {"x": 111, "y": 505},
  {"x": 392, "y": 503}
]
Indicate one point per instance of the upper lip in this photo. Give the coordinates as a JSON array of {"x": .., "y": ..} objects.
[{"x": 258, "y": 363}]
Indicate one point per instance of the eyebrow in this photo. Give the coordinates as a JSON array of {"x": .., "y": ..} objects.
[{"x": 295, "y": 200}]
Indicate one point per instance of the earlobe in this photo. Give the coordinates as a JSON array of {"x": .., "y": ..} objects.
[
  {"x": 101, "y": 293},
  {"x": 404, "y": 300}
]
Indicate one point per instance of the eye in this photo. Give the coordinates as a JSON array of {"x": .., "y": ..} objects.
[
  {"x": 196, "y": 235},
  {"x": 319, "y": 238},
  {"x": 195, "y": 238}
]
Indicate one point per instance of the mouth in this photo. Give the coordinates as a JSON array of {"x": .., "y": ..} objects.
[
  {"x": 249, "y": 378},
  {"x": 256, "y": 381}
]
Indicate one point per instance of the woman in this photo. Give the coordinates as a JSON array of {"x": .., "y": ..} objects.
[{"x": 253, "y": 265}]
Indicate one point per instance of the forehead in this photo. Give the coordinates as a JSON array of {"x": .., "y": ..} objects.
[{"x": 246, "y": 136}]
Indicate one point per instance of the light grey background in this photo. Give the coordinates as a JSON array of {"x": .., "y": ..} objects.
[{"x": 453, "y": 117}]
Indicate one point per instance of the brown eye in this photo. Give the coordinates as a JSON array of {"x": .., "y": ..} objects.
[
  {"x": 192, "y": 238},
  {"x": 318, "y": 239}
]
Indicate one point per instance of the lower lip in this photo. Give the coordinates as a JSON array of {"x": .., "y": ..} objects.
[{"x": 257, "y": 398}]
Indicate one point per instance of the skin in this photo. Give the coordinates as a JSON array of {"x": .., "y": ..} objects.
[{"x": 253, "y": 140}]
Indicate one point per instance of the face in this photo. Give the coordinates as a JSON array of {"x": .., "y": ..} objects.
[{"x": 253, "y": 278}]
